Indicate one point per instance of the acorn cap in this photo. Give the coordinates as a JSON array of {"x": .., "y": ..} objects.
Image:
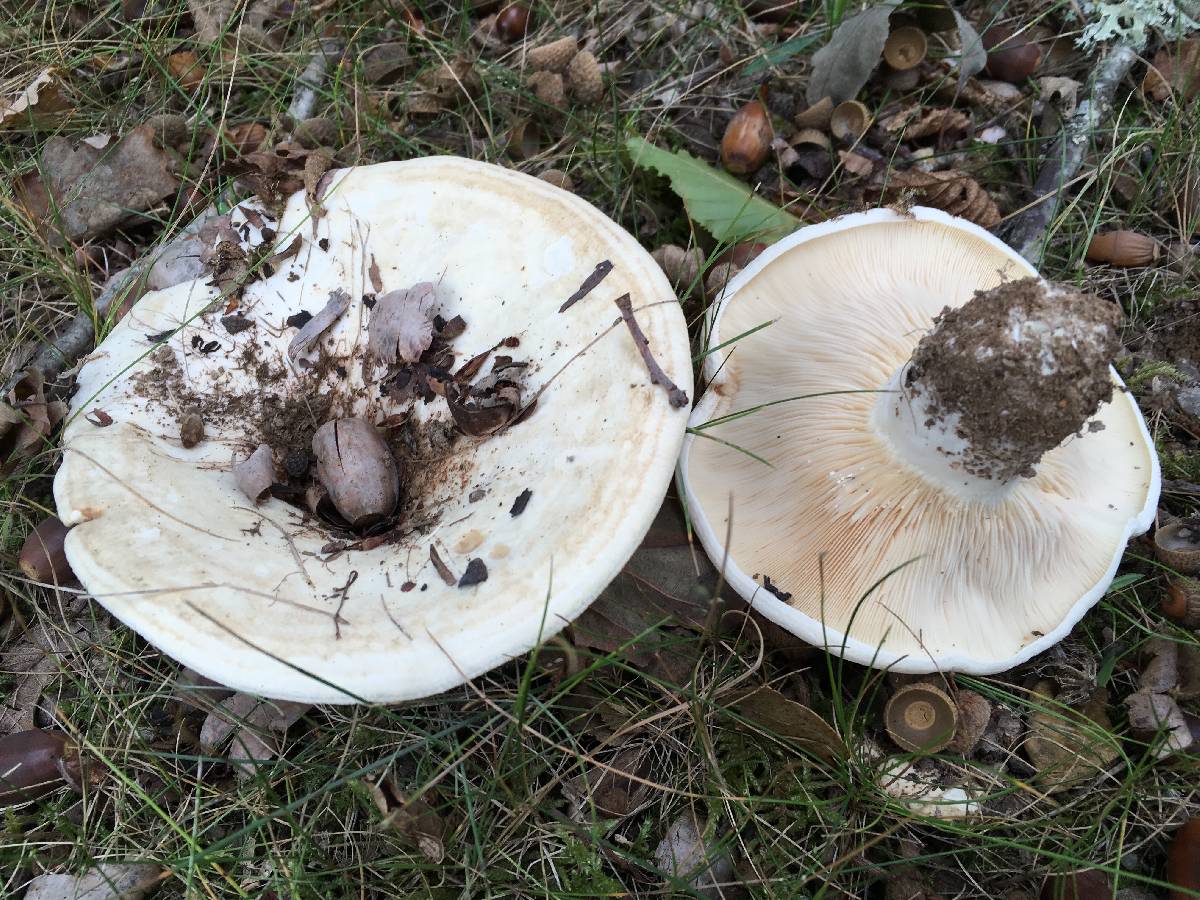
[
  {"x": 849, "y": 121},
  {"x": 1181, "y": 602},
  {"x": 1177, "y": 546},
  {"x": 553, "y": 57},
  {"x": 246, "y": 595},
  {"x": 920, "y": 717},
  {"x": 584, "y": 78},
  {"x": 809, "y": 137},
  {"x": 905, "y": 48},
  {"x": 816, "y": 116}
]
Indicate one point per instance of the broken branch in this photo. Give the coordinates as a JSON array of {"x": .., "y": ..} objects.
[{"x": 675, "y": 394}]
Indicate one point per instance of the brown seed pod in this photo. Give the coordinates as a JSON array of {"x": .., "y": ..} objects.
[
  {"x": 816, "y": 116},
  {"x": 36, "y": 762},
  {"x": 1183, "y": 861},
  {"x": 747, "y": 140},
  {"x": 974, "y": 716},
  {"x": 849, "y": 121},
  {"x": 548, "y": 88},
  {"x": 1178, "y": 546},
  {"x": 905, "y": 48},
  {"x": 809, "y": 137},
  {"x": 1124, "y": 248},
  {"x": 558, "y": 178},
  {"x": 358, "y": 469},
  {"x": 191, "y": 430},
  {"x": 43, "y": 558},
  {"x": 584, "y": 77},
  {"x": 1181, "y": 602},
  {"x": 553, "y": 57},
  {"x": 1010, "y": 57},
  {"x": 512, "y": 24},
  {"x": 921, "y": 717},
  {"x": 256, "y": 473}
]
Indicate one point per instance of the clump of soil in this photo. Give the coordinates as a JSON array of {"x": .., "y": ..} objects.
[{"x": 1014, "y": 372}]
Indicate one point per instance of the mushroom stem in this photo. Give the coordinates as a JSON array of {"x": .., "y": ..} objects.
[{"x": 998, "y": 382}]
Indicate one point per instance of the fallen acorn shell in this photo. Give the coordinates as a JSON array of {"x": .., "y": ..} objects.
[
  {"x": 920, "y": 717},
  {"x": 1183, "y": 861},
  {"x": 1181, "y": 602},
  {"x": 747, "y": 141},
  {"x": 553, "y": 57},
  {"x": 1178, "y": 546},
  {"x": 35, "y": 762},
  {"x": 43, "y": 557},
  {"x": 584, "y": 77},
  {"x": 905, "y": 48},
  {"x": 1010, "y": 56},
  {"x": 525, "y": 139},
  {"x": 358, "y": 469},
  {"x": 1124, "y": 248},
  {"x": 849, "y": 121},
  {"x": 816, "y": 116},
  {"x": 809, "y": 137}
]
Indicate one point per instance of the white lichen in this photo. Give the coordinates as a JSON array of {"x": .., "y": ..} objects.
[{"x": 1129, "y": 21}]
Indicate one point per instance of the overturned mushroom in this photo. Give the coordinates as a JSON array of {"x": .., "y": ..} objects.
[
  {"x": 280, "y": 601},
  {"x": 954, "y": 469}
]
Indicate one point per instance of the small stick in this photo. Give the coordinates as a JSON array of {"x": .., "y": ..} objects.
[
  {"x": 1027, "y": 233},
  {"x": 677, "y": 396},
  {"x": 598, "y": 275}
]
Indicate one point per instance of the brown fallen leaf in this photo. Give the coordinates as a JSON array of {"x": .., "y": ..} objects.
[
  {"x": 383, "y": 62},
  {"x": 401, "y": 325},
  {"x": 26, "y": 419},
  {"x": 442, "y": 87},
  {"x": 951, "y": 191},
  {"x": 914, "y": 123},
  {"x": 81, "y": 191},
  {"x": 1175, "y": 71},
  {"x": 43, "y": 103},
  {"x": 186, "y": 69},
  {"x": 108, "y": 881},
  {"x": 1153, "y": 706},
  {"x": 257, "y": 726},
  {"x": 413, "y": 818},
  {"x": 611, "y": 789},
  {"x": 786, "y": 718}
]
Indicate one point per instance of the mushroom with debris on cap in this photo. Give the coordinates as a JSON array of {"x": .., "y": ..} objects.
[
  {"x": 435, "y": 576},
  {"x": 928, "y": 453}
]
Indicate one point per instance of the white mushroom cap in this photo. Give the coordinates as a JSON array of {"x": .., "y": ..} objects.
[
  {"x": 888, "y": 565},
  {"x": 244, "y": 594}
]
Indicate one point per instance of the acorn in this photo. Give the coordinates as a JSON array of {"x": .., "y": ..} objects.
[
  {"x": 905, "y": 48},
  {"x": 849, "y": 121},
  {"x": 1183, "y": 861},
  {"x": 1124, "y": 248},
  {"x": 920, "y": 717},
  {"x": 747, "y": 141},
  {"x": 36, "y": 762},
  {"x": 1178, "y": 546},
  {"x": 512, "y": 24},
  {"x": 553, "y": 57},
  {"x": 358, "y": 469},
  {"x": 1181, "y": 602},
  {"x": 43, "y": 557},
  {"x": 1010, "y": 56},
  {"x": 584, "y": 78}
]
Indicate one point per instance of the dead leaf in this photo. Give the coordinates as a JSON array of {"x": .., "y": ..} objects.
[
  {"x": 256, "y": 725},
  {"x": 186, "y": 69},
  {"x": 82, "y": 192},
  {"x": 842, "y": 67},
  {"x": 443, "y": 570},
  {"x": 1069, "y": 747},
  {"x": 1153, "y": 707},
  {"x": 43, "y": 103},
  {"x": 316, "y": 164},
  {"x": 210, "y": 18},
  {"x": 442, "y": 87},
  {"x": 973, "y": 55},
  {"x": 108, "y": 881},
  {"x": 788, "y": 719},
  {"x": 26, "y": 419},
  {"x": 412, "y": 817},
  {"x": 914, "y": 123},
  {"x": 1176, "y": 70},
  {"x": 305, "y": 341},
  {"x": 856, "y": 164},
  {"x": 401, "y": 326},
  {"x": 245, "y": 137},
  {"x": 489, "y": 404},
  {"x": 952, "y": 191},
  {"x": 384, "y": 61},
  {"x": 611, "y": 790}
]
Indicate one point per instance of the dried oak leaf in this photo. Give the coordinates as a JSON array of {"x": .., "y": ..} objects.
[
  {"x": 413, "y": 818},
  {"x": 1175, "y": 70},
  {"x": 786, "y": 718},
  {"x": 26, "y": 419},
  {"x": 954, "y": 192},
  {"x": 913, "y": 124},
  {"x": 383, "y": 62},
  {"x": 487, "y": 405},
  {"x": 81, "y": 191},
  {"x": 257, "y": 725},
  {"x": 1069, "y": 747},
  {"x": 41, "y": 104},
  {"x": 107, "y": 881},
  {"x": 401, "y": 326}
]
